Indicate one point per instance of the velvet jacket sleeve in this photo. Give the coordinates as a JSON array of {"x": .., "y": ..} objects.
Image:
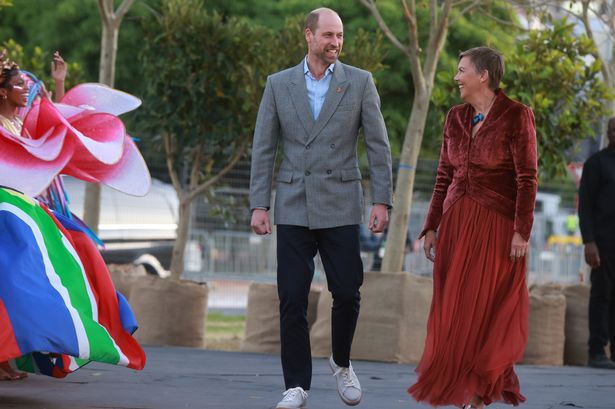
[
  {"x": 523, "y": 148},
  {"x": 443, "y": 180}
]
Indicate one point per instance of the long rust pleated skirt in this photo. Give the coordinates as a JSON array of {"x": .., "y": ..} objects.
[{"x": 478, "y": 323}]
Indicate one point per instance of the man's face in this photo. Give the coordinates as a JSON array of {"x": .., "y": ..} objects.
[
  {"x": 610, "y": 132},
  {"x": 325, "y": 43}
]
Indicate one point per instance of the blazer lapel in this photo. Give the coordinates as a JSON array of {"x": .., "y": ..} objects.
[
  {"x": 298, "y": 94},
  {"x": 337, "y": 89}
]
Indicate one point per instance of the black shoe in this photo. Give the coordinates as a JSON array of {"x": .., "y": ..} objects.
[{"x": 600, "y": 361}]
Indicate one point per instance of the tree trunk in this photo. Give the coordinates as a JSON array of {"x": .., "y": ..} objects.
[
  {"x": 423, "y": 79},
  {"x": 91, "y": 206},
  {"x": 402, "y": 199},
  {"x": 183, "y": 226},
  {"x": 108, "y": 53}
]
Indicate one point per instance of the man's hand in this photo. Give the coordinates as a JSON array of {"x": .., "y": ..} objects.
[
  {"x": 429, "y": 245},
  {"x": 260, "y": 222},
  {"x": 379, "y": 218},
  {"x": 592, "y": 255},
  {"x": 518, "y": 247}
]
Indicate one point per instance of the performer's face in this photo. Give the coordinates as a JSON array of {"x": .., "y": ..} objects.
[
  {"x": 325, "y": 43},
  {"x": 16, "y": 91},
  {"x": 469, "y": 81}
]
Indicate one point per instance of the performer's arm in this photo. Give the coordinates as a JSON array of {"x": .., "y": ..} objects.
[{"x": 58, "y": 73}]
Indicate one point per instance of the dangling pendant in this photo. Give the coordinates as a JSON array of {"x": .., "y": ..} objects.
[{"x": 477, "y": 118}]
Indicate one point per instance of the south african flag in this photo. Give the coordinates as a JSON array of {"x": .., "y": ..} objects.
[{"x": 58, "y": 306}]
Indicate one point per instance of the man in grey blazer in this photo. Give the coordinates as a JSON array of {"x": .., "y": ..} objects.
[{"x": 313, "y": 113}]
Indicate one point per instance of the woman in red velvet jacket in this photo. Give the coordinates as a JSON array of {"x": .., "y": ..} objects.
[{"x": 477, "y": 233}]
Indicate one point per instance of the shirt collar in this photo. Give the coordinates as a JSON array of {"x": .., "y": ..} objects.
[{"x": 306, "y": 70}]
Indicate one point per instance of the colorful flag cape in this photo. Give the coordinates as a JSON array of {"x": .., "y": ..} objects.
[
  {"x": 58, "y": 306},
  {"x": 82, "y": 137}
]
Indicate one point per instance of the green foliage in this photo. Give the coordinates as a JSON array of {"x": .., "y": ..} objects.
[
  {"x": 38, "y": 63},
  {"x": 550, "y": 72},
  {"x": 204, "y": 78},
  {"x": 210, "y": 89},
  {"x": 73, "y": 28},
  {"x": 364, "y": 46}
]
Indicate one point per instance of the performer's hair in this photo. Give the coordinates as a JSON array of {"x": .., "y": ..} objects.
[
  {"x": 487, "y": 59},
  {"x": 8, "y": 69}
]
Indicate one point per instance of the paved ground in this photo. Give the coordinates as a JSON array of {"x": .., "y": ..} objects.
[{"x": 177, "y": 378}]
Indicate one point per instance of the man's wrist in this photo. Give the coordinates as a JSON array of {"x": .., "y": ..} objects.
[{"x": 388, "y": 206}]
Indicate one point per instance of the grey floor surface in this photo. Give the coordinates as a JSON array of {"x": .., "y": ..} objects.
[{"x": 189, "y": 378}]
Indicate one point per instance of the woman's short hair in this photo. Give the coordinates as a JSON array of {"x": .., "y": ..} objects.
[{"x": 485, "y": 58}]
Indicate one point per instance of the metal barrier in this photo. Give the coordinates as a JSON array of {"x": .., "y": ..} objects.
[
  {"x": 223, "y": 251},
  {"x": 231, "y": 260}
]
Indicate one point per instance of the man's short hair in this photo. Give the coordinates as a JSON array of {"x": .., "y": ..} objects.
[
  {"x": 485, "y": 58},
  {"x": 311, "y": 21}
]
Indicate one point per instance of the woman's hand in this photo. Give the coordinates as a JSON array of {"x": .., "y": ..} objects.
[
  {"x": 429, "y": 245},
  {"x": 518, "y": 247},
  {"x": 58, "y": 68},
  {"x": 44, "y": 93}
]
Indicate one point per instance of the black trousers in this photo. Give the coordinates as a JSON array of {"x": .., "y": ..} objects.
[
  {"x": 602, "y": 305},
  {"x": 340, "y": 254}
]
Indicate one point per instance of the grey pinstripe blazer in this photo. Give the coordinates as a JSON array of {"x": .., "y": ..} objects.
[{"x": 319, "y": 182}]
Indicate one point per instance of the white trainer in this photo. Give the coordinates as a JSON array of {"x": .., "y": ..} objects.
[
  {"x": 293, "y": 398},
  {"x": 348, "y": 385}
]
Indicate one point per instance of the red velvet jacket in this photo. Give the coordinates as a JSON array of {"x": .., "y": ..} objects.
[{"x": 497, "y": 168}]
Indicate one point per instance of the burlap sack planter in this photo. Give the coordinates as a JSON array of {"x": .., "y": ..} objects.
[
  {"x": 263, "y": 318},
  {"x": 392, "y": 323},
  {"x": 170, "y": 312},
  {"x": 546, "y": 327},
  {"x": 125, "y": 275},
  {"x": 577, "y": 325}
]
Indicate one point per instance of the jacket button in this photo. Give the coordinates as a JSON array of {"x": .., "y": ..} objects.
[
  {"x": 308, "y": 146},
  {"x": 307, "y": 173},
  {"x": 329, "y": 171},
  {"x": 332, "y": 146}
]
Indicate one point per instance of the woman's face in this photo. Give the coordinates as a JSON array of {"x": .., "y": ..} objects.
[
  {"x": 469, "y": 81},
  {"x": 16, "y": 91}
]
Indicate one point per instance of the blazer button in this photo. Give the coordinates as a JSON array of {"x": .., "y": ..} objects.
[
  {"x": 308, "y": 146},
  {"x": 329, "y": 171},
  {"x": 332, "y": 146},
  {"x": 307, "y": 173}
]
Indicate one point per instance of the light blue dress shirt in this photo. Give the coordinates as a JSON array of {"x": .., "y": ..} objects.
[{"x": 317, "y": 89}]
